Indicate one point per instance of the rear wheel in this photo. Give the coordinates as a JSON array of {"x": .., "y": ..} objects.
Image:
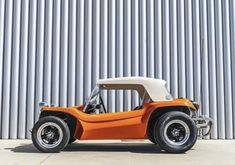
[
  {"x": 175, "y": 132},
  {"x": 50, "y": 134}
]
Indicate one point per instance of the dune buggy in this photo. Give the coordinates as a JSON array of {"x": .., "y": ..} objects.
[{"x": 171, "y": 123}]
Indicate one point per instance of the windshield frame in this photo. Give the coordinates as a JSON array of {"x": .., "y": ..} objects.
[{"x": 95, "y": 92}]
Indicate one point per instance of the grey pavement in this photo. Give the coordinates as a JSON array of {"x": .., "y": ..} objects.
[{"x": 115, "y": 152}]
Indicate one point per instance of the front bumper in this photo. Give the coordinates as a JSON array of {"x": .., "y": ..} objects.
[{"x": 204, "y": 125}]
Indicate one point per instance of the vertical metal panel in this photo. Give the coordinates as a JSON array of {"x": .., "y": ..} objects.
[
  {"x": 104, "y": 42},
  {"x": 2, "y": 12},
  {"x": 181, "y": 49},
  {"x": 158, "y": 38},
  {"x": 119, "y": 50},
  {"x": 64, "y": 52},
  {"x": 88, "y": 46},
  {"x": 232, "y": 40},
  {"x": 111, "y": 51},
  {"x": 96, "y": 42},
  {"x": 166, "y": 42},
  {"x": 48, "y": 51},
  {"x": 127, "y": 49},
  {"x": 220, "y": 69},
  {"x": 227, "y": 70},
  {"x": 173, "y": 48},
  {"x": 150, "y": 37},
  {"x": 7, "y": 69},
  {"x": 55, "y": 51},
  {"x": 72, "y": 53},
  {"x": 39, "y": 57},
  {"x": 23, "y": 68},
  {"x": 15, "y": 70},
  {"x": 203, "y": 75},
  {"x": 31, "y": 66},
  {"x": 197, "y": 53},
  {"x": 212, "y": 68},
  {"x": 80, "y": 51},
  {"x": 143, "y": 38},
  {"x": 189, "y": 49},
  {"x": 135, "y": 44}
]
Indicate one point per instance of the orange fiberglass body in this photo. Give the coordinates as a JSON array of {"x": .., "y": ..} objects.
[{"x": 119, "y": 125}]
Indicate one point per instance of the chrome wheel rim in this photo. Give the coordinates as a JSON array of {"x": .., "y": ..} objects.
[
  {"x": 49, "y": 135},
  {"x": 176, "y": 132}
]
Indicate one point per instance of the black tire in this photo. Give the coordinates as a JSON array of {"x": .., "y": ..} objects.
[
  {"x": 151, "y": 138},
  {"x": 181, "y": 138},
  {"x": 60, "y": 132},
  {"x": 150, "y": 132},
  {"x": 71, "y": 140}
]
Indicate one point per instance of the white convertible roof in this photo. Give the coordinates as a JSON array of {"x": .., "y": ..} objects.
[{"x": 155, "y": 87}]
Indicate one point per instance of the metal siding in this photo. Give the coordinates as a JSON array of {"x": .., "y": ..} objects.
[{"x": 54, "y": 51}]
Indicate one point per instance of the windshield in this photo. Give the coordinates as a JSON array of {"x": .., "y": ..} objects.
[{"x": 93, "y": 95}]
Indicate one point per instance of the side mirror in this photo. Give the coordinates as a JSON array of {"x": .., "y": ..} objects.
[{"x": 42, "y": 104}]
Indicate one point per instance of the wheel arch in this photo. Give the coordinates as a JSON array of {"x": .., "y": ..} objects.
[
  {"x": 69, "y": 119},
  {"x": 158, "y": 112}
]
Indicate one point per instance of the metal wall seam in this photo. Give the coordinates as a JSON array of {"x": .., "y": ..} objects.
[
  {"x": 127, "y": 49},
  {"x": 232, "y": 46},
  {"x": 72, "y": 53},
  {"x": 96, "y": 42},
  {"x": 189, "y": 49},
  {"x": 204, "y": 69},
  {"x": 143, "y": 38},
  {"x": 80, "y": 51},
  {"x": 166, "y": 43},
  {"x": 39, "y": 57},
  {"x": 173, "y": 49},
  {"x": 220, "y": 70},
  {"x": 150, "y": 38},
  {"x": 158, "y": 38},
  {"x": 88, "y": 47},
  {"x": 31, "y": 67},
  {"x": 135, "y": 44},
  {"x": 64, "y": 53},
  {"x": 111, "y": 50},
  {"x": 104, "y": 43},
  {"x": 212, "y": 67},
  {"x": 7, "y": 69},
  {"x": 48, "y": 52},
  {"x": 181, "y": 49},
  {"x": 2, "y": 14},
  {"x": 23, "y": 69},
  {"x": 227, "y": 70},
  {"x": 15, "y": 70},
  {"x": 196, "y": 51},
  {"x": 119, "y": 50},
  {"x": 56, "y": 53}
]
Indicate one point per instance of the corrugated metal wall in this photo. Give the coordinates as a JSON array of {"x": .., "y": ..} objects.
[{"x": 55, "y": 50}]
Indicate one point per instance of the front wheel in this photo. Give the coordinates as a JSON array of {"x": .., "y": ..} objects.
[
  {"x": 50, "y": 134},
  {"x": 175, "y": 132}
]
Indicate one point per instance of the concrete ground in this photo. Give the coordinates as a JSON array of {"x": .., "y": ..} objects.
[{"x": 205, "y": 152}]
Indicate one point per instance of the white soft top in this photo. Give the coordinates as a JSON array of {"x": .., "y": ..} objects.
[{"x": 155, "y": 87}]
